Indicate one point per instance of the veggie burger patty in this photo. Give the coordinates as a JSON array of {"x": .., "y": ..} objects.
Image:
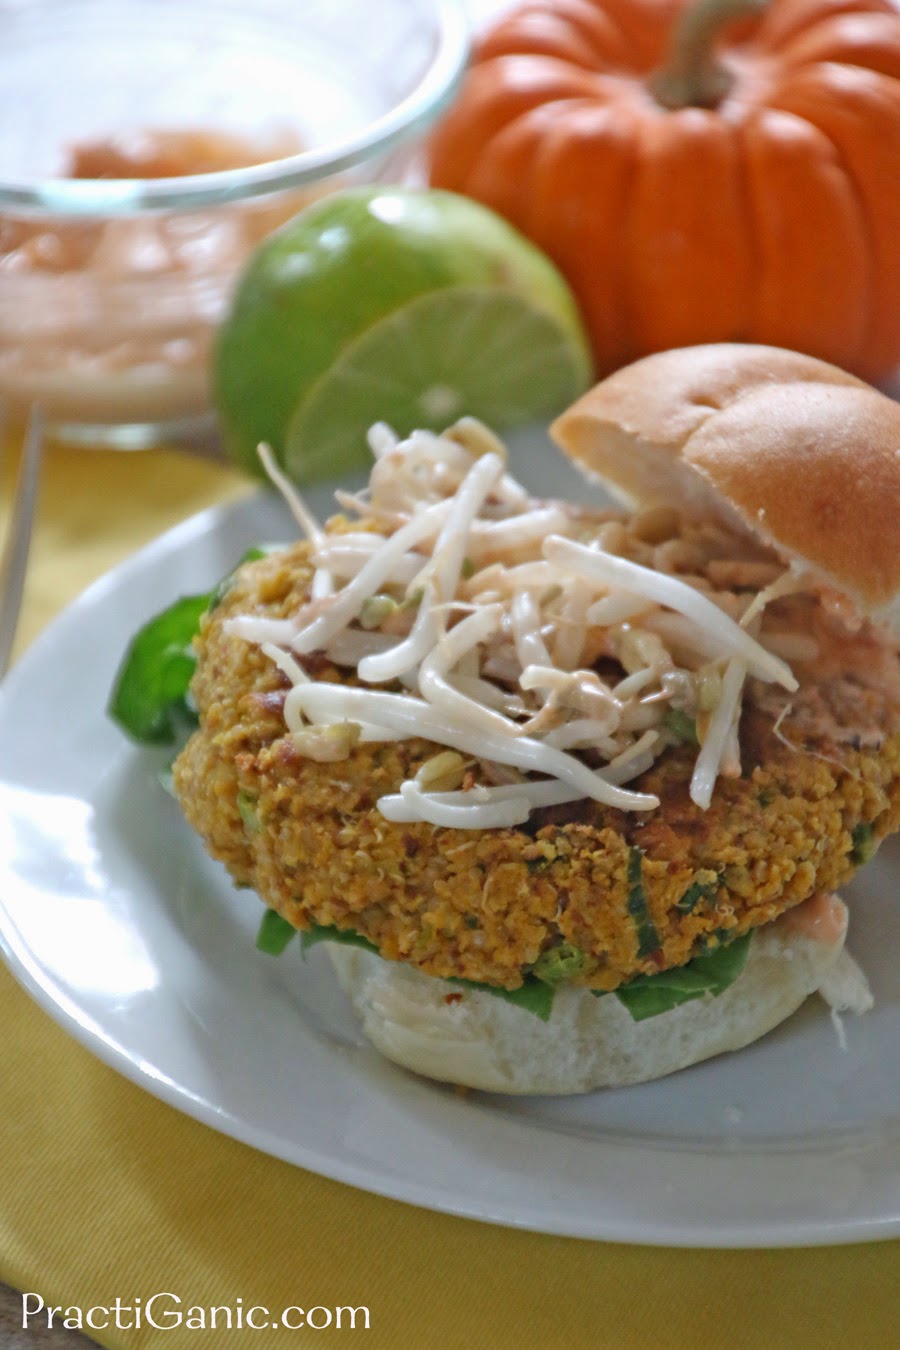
[{"x": 584, "y": 892}]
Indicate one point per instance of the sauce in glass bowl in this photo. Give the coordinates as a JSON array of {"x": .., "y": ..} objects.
[
  {"x": 147, "y": 146},
  {"x": 110, "y": 322}
]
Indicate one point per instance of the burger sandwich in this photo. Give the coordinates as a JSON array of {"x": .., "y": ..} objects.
[{"x": 568, "y": 791}]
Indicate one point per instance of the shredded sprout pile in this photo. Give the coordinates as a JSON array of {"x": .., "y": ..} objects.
[{"x": 553, "y": 652}]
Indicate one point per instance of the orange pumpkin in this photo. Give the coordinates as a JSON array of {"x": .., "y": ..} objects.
[{"x": 695, "y": 178}]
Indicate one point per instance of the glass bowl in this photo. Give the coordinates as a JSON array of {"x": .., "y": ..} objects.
[{"x": 147, "y": 146}]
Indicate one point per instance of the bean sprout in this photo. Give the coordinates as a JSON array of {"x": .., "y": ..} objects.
[{"x": 530, "y": 639}]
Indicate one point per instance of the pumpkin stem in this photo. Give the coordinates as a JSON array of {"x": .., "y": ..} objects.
[{"x": 694, "y": 76}]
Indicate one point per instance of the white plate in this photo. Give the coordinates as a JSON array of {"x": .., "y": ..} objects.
[{"x": 118, "y": 924}]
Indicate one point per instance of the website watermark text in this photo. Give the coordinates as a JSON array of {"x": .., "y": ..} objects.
[{"x": 166, "y": 1311}]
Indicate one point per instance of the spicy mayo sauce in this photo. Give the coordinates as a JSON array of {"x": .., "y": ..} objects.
[{"x": 110, "y": 322}]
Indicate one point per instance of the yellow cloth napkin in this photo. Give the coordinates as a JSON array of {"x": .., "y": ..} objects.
[{"x": 108, "y": 1193}]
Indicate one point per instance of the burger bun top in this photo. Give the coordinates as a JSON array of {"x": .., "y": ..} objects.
[{"x": 798, "y": 452}]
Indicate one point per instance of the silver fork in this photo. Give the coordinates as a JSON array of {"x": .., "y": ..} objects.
[{"x": 14, "y": 562}]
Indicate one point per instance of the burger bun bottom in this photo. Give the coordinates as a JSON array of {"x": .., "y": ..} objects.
[{"x": 481, "y": 1041}]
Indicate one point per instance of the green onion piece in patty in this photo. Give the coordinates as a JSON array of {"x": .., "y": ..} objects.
[
  {"x": 697, "y": 892},
  {"x": 647, "y": 936},
  {"x": 558, "y": 964},
  {"x": 681, "y": 725},
  {"x": 246, "y": 805},
  {"x": 863, "y": 844}
]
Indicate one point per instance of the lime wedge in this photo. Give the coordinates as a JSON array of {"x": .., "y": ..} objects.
[
  {"x": 484, "y": 352},
  {"x": 397, "y": 305}
]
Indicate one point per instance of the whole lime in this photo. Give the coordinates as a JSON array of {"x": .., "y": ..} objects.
[{"x": 391, "y": 304}]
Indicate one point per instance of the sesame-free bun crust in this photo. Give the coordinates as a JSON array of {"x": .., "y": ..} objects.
[
  {"x": 804, "y": 455},
  {"x": 480, "y": 1041}
]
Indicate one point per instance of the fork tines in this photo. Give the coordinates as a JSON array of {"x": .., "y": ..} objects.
[{"x": 14, "y": 562}]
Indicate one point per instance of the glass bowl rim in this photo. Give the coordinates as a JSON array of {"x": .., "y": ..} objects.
[{"x": 126, "y": 196}]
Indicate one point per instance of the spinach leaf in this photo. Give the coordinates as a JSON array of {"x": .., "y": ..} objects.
[
  {"x": 309, "y": 937},
  {"x": 648, "y": 938},
  {"x": 253, "y": 554},
  {"x": 149, "y": 695},
  {"x": 712, "y": 973},
  {"x": 150, "y": 699},
  {"x": 274, "y": 933},
  {"x": 533, "y": 995}
]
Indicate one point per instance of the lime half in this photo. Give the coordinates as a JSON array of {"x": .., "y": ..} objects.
[
  {"x": 385, "y": 304},
  {"x": 463, "y": 350}
]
